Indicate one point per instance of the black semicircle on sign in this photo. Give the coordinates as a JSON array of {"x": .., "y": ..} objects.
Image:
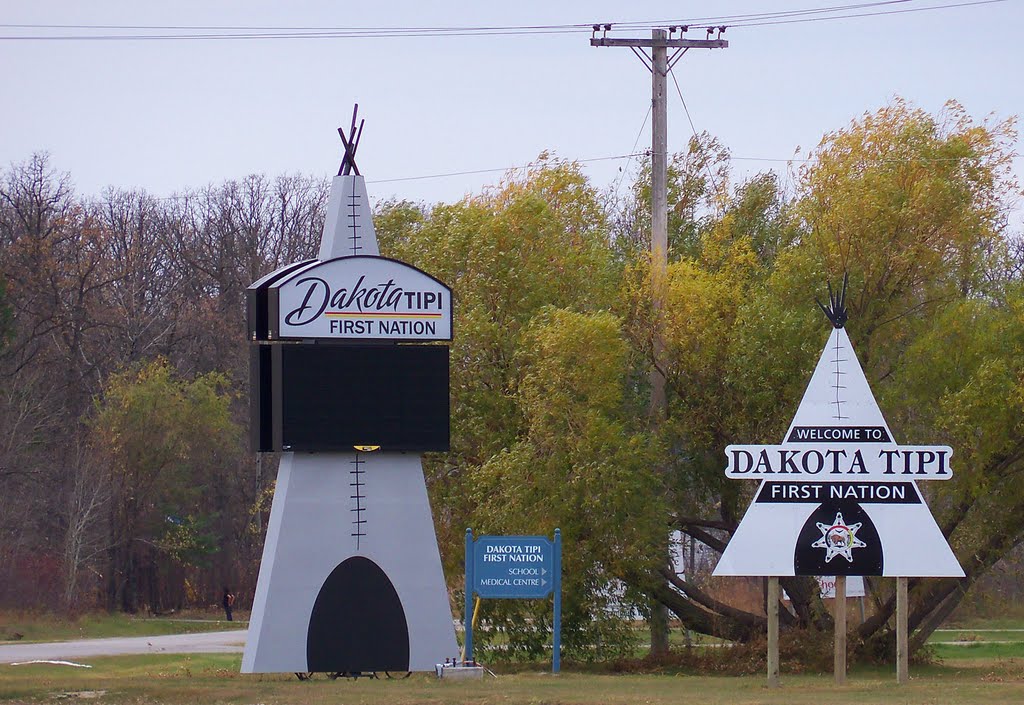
[
  {"x": 809, "y": 559},
  {"x": 357, "y": 623}
]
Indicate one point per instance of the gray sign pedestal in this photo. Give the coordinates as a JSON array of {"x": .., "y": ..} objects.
[
  {"x": 351, "y": 577},
  {"x": 337, "y": 510}
]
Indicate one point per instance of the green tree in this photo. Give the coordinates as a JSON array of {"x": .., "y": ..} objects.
[
  {"x": 913, "y": 207},
  {"x": 554, "y": 342},
  {"x": 581, "y": 465},
  {"x": 698, "y": 182},
  {"x": 165, "y": 441},
  {"x": 963, "y": 381},
  {"x": 542, "y": 432},
  {"x": 538, "y": 239}
]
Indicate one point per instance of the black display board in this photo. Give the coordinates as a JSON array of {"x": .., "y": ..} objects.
[
  {"x": 261, "y": 408},
  {"x": 327, "y": 397},
  {"x": 256, "y": 300}
]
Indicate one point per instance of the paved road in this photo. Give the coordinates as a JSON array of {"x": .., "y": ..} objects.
[{"x": 204, "y": 643}]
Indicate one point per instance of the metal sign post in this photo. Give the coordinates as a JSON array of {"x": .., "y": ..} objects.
[{"x": 514, "y": 568}]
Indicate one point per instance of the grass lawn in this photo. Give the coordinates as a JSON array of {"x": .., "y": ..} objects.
[
  {"x": 978, "y": 650},
  {"x": 215, "y": 679},
  {"x": 47, "y": 627},
  {"x": 980, "y": 639},
  {"x": 988, "y": 669}
]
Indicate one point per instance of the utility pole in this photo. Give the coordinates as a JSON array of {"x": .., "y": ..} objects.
[
  {"x": 659, "y": 63},
  {"x": 659, "y": 214}
]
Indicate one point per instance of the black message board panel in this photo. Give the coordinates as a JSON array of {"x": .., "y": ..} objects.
[
  {"x": 261, "y": 420},
  {"x": 333, "y": 397},
  {"x": 256, "y": 300}
]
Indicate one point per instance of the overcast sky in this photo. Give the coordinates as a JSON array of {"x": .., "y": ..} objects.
[{"x": 167, "y": 115}]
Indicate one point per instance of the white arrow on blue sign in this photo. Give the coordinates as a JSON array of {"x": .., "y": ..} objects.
[{"x": 515, "y": 567}]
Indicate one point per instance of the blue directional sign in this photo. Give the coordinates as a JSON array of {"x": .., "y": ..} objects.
[{"x": 516, "y": 567}]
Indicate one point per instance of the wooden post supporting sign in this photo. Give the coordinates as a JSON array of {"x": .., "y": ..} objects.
[
  {"x": 840, "y": 636},
  {"x": 773, "y": 632},
  {"x": 902, "y": 652}
]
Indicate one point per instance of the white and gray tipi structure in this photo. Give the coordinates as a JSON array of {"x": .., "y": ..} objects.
[{"x": 351, "y": 577}]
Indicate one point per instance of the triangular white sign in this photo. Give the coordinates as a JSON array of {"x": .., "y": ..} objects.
[{"x": 839, "y": 495}]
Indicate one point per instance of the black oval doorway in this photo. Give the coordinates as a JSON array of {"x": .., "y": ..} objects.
[{"x": 357, "y": 623}]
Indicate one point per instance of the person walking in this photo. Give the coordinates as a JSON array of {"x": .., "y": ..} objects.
[{"x": 229, "y": 602}]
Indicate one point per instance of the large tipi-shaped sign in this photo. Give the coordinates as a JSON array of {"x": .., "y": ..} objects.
[
  {"x": 839, "y": 496},
  {"x": 351, "y": 578}
]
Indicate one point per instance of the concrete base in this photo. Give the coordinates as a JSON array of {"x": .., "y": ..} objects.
[{"x": 459, "y": 673}]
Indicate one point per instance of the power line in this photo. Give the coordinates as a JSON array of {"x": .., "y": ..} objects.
[
  {"x": 797, "y": 16},
  {"x": 470, "y": 172},
  {"x": 693, "y": 128},
  {"x": 880, "y": 160},
  {"x": 281, "y": 35},
  {"x": 714, "y": 21},
  {"x": 625, "y": 168},
  {"x": 629, "y": 156},
  {"x": 580, "y": 26},
  {"x": 496, "y": 170},
  {"x": 765, "y": 23},
  {"x": 281, "y": 28},
  {"x": 243, "y": 32}
]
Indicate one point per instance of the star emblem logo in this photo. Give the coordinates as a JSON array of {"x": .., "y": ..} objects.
[{"x": 839, "y": 539}]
